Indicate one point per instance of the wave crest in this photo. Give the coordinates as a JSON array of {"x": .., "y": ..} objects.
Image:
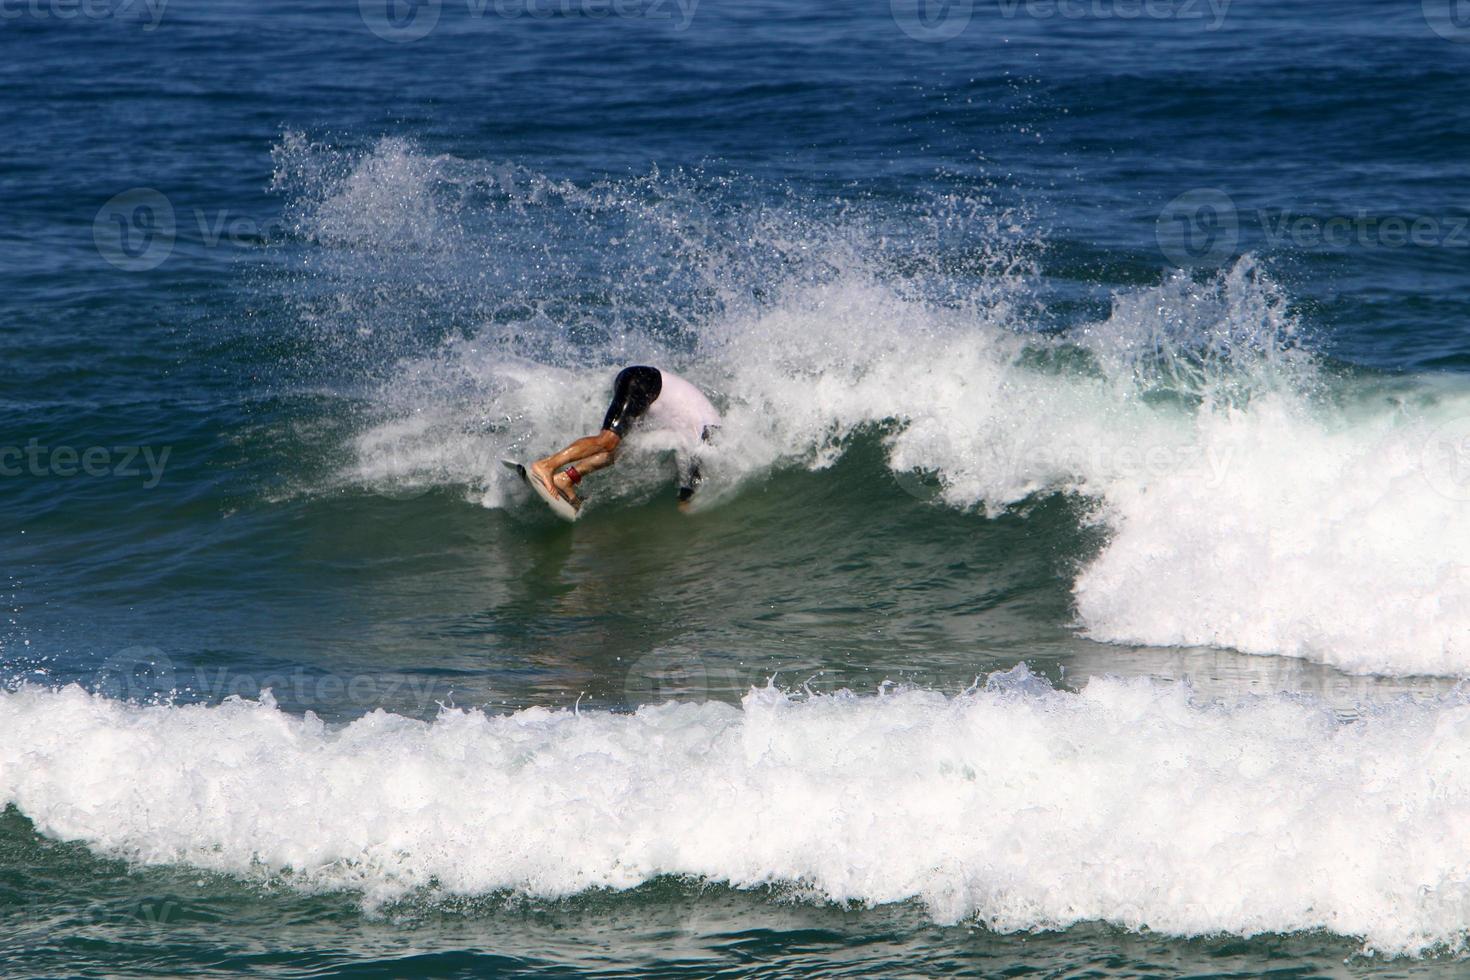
[
  {"x": 1023, "y": 807},
  {"x": 1253, "y": 498}
]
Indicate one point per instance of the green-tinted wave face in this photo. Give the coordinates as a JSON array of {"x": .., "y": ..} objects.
[
  {"x": 1188, "y": 426},
  {"x": 166, "y": 921}
]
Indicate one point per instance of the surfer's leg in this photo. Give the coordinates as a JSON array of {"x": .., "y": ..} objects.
[
  {"x": 572, "y": 475},
  {"x": 689, "y": 479},
  {"x": 689, "y": 475},
  {"x": 634, "y": 389},
  {"x": 577, "y": 454}
]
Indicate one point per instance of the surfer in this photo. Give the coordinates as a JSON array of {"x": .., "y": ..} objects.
[{"x": 654, "y": 400}]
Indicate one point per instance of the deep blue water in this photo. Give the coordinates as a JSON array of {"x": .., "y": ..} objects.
[{"x": 296, "y": 275}]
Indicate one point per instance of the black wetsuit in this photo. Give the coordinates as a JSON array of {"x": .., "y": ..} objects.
[{"x": 634, "y": 391}]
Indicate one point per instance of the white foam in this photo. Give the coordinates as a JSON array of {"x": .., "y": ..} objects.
[
  {"x": 1323, "y": 540},
  {"x": 1332, "y": 523},
  {"x": 1252, "y": 501},
  {"x": 1024, "y": 807},
  {"x": 1266, "y": 517},
  {"x": 1274, "y": 523}
]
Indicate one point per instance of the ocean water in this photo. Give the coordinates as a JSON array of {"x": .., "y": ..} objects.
[{"x": 1081, "y": 586}]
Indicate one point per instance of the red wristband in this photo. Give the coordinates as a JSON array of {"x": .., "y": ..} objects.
[{"x": 573, "y": 475}]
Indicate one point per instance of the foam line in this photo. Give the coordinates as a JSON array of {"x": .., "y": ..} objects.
[{"x": 1020, "y": 806}]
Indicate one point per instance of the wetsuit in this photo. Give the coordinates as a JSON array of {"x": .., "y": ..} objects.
[{"x": 654, "y": 399}]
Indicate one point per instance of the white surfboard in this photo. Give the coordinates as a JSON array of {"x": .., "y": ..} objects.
[{"x": 559, "y": 505}]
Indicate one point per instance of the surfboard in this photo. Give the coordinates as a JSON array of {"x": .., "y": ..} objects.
[{"x": 559, "y": 505}]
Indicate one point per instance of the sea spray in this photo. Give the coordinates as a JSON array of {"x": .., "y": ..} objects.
[{"x": 1252, "y": 498}]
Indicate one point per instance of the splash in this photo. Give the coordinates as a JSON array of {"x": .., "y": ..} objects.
[{"x": 1254, "y": 498}]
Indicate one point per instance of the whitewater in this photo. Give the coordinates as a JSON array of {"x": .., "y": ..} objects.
[
  {"x": 1255, "y": 495},
  {"x": 1247, "y": 492},
  {"x": 1033, "y": 344},
  {"x": 1016, "y": 805}
]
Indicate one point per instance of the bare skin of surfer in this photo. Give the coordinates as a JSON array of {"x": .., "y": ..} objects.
[
  {"x": 647, "y": 398},
  {"x": 587, "y": 455}
]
